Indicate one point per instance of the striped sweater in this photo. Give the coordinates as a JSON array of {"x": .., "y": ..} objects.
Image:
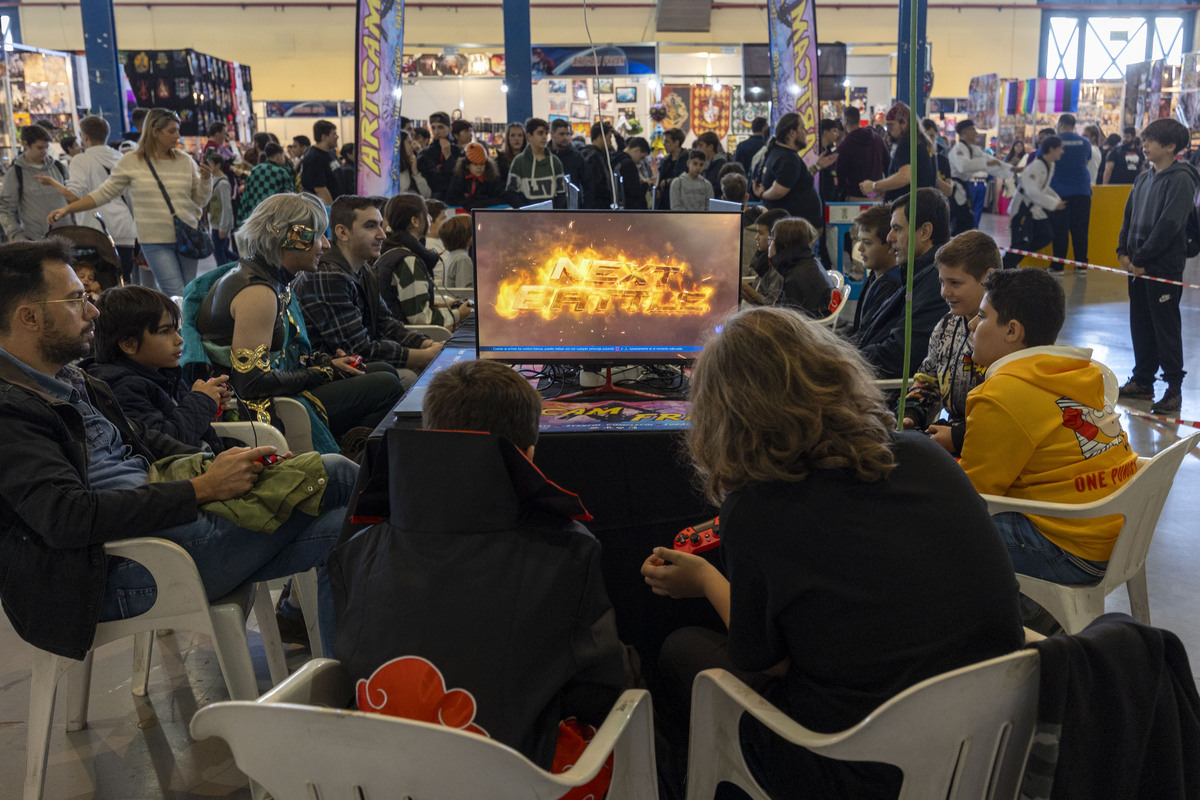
[{"x": 181, "y": 177}]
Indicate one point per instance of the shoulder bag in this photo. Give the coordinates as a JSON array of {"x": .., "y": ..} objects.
[{"x": 189, "y": 242}]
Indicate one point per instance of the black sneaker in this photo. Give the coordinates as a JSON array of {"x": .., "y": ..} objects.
[
  {"x": 1132, "y": 390},
  {"x": 1169, "y": 403},
  {"x": 1056, "y": 269}
]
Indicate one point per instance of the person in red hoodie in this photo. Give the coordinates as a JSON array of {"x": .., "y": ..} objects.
[
  {"x": 862, "y": 155},
  {"x": 476, "y": 182}
]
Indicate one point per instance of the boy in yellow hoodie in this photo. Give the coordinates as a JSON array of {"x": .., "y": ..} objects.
[{"x": 1043, "y": 426}]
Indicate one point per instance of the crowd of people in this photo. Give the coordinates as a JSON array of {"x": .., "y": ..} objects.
[{"x": 107, "y": 399}]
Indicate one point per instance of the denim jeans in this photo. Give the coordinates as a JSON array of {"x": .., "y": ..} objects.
[
  {"x": 222, "y": 251},
  {"x": 1034, "y": 555},
  {"x": 171, "y": 271},
  {"x": 228, "y": 556}
]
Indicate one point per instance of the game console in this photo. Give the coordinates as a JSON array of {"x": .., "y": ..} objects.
[{"x": 699, "y": 538}]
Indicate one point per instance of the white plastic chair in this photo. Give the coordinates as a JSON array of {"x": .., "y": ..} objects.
[
  {"x": 181, "y": 603},
  {"x": 1141, "y": 501},
  {"x": 963, "y": 735},
  {"x": 843, "y": 293},
  {"x": 294, "y": 417},
  {"x": 299, "y": 751},
  {"x": 304, "y": 584}
]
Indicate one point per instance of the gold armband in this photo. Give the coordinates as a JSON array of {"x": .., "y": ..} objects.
[{"x": 245, "y": 360}]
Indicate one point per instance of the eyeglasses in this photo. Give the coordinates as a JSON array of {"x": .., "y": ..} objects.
[{"x": 78, "y": 301}]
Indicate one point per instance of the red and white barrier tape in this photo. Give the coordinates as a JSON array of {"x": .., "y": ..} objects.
[
  {"x": 1054, "y": 260},
  {"x": 1189, "y": 423}
]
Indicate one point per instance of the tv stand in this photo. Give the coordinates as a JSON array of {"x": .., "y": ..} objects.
[{"x": 608, "y": 387}]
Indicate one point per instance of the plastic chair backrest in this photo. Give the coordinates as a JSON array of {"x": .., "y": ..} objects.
[
  {"x": 1141, "y": 502},
  {"x": 842, "y": 295},
  {"x": 298, "y": 752},
  {"x": 962, "y": 735}
]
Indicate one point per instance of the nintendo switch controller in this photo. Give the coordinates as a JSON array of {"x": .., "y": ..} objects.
[
  {"x": 356, "y": 362},
  {"x": 699, "y": 538},
  {"x": 269, "y": 459}
]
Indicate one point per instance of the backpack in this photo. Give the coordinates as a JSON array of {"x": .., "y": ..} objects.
[
  {"x": 1193, "y": 232},
  {"x": 1192, "y": 229}
]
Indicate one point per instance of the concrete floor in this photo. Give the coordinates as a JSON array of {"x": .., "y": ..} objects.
[{"x": 139, "y": 748}]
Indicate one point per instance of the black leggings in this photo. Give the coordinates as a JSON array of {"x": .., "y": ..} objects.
[{"x": 363, "y": 400}]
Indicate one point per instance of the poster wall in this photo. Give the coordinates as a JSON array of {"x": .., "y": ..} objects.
[
  {"x": 792, "y": 29},
  {"x": 378, "y": 86}
]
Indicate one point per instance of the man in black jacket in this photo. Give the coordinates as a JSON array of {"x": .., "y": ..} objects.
[
  {"x": 437, "y": 161},
  {"x": 881, "y": 339},
  {"x": 560, "y": 146},
  {"x": 75, "y": 476}
]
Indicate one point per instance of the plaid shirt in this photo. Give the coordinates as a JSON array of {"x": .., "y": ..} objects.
[
  {"x": 344, "y": 310},
  {"x": 263, "y": 181}
]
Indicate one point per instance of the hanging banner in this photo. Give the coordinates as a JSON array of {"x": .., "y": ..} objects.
[
  {"x": 711, "y": 110},
  {"x": 378, "y": 84},
  {"x": 586, "y": 61},
  {"x": 792, "y": 27}
]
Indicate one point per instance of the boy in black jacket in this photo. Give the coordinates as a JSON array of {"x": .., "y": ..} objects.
[
  {"x": 137, "y": 354},
  {"x": 498, "y": 592},
  {"x": 1153, "y": 241}
]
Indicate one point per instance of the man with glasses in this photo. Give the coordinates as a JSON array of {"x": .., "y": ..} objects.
[{"x": 75, "y": 475}]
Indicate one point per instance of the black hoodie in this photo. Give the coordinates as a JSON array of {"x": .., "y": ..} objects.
[
  {"x": 805, "y": 286},
  {"x": 632, "y": 187},
  {"x": 161, "y": 400},
  {"x": 1154, "y": 231}
]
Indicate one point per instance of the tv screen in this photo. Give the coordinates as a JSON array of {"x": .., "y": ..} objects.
[{"x": 602, "y": 286}]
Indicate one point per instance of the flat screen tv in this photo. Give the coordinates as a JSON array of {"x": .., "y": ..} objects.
[{"x": 602, "y": 287}]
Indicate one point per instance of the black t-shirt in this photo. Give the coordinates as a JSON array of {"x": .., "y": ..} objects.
[
  {"x": 926, "y": 167},
  {"x": 868, "y": 588},
  {"x": 831, "y": 192},
  {"x": 783, "y": 166},
  {"x": 317, "y": 169},
  {"x": 1127, "y": 161}
]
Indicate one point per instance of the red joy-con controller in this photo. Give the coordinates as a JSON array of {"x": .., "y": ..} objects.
[
  {"x": 269, "y": 459},
  {"x": 356, "y": 362},
  {"x": 699, "y": 538}
]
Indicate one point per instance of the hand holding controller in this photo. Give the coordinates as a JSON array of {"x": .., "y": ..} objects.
[
  {"x": 272, "y": 458},
  {"x": 699, "y": 538},
  {"x": 356, "y": 362}
]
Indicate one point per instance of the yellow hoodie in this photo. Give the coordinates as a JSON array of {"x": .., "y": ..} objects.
[{"x": 1043, "y": 426}]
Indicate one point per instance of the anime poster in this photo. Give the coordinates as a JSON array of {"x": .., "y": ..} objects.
[
  {"x": 678, "y": 102},
  {"x": 792, "y": 30},
  {"x": 711, "y": 110},
  {"x": 744, "y": 113},
  {"x": 983, "y": 101},
  {"x": 378, "y": 75}
]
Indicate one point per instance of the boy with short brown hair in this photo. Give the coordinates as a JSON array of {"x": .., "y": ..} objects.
[{"x": 948, "y": 373}]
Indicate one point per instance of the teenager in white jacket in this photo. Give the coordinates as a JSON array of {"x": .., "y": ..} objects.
[
  {"x": 86, "y": 173},
  {"x": 1031, "y": 229},
  {"x": 969, "y": 168}
]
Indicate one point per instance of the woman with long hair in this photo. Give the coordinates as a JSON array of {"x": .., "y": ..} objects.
[
  {"x": 407, "y": 267},
  {"x": 514, "y": 145},
  {"x": 251, "y": 331},
  {"x": 160, "y": 178},
  {"x": 858, "y": 560},
  {"x": 411, "y": 179}
]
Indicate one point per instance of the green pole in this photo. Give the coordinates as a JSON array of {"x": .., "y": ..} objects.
[{"x": 914, "y": 128}]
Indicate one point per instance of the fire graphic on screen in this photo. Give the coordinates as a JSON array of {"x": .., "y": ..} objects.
[{"x": 590, "y": 282}]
